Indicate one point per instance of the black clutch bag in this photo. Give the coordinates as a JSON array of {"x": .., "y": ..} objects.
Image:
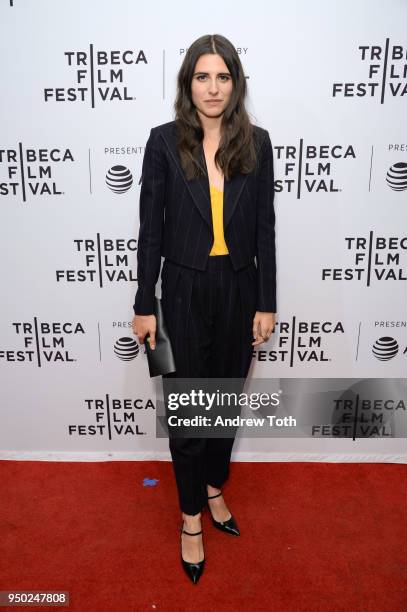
[{"x": 161, "y": 359}]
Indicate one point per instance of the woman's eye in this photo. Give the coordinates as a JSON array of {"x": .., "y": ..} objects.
[{"x": 223, "y": 77}]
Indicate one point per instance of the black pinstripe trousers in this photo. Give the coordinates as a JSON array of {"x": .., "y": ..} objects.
[{"x": 209, "y": 317}]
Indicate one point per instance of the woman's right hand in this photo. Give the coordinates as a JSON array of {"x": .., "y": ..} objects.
[{"x": 143, "y": 325}]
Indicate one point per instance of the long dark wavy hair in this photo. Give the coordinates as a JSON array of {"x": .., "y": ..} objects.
[{"x": 236, "y": 152}]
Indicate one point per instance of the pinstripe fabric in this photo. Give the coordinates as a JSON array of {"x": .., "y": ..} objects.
[
  {"x": 209, "y": 316},
  {"x": 176, "y": 218}
]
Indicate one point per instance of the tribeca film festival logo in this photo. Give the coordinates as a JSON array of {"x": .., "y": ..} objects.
[
  {"x": 310, "y": 167},
  {"x": 113, "y": 417},
  {"x": 375, "y": 258},
  {"x": 30, "y": 171},
  {"x": 26, "y": 172},
  {"x": 104, "y": 260},
  {"x": 300, "y": 342},
  {"x": 42, "y": 342},
  {"x": 98, "y": 76},
  {"x": 355, "y": 416},
  {"x": 386, "y": 72}
]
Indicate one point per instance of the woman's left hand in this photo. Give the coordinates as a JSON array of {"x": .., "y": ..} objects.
[{"x": 263, "y": 325}]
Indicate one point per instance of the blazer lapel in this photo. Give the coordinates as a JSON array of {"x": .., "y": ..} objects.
[
  {"x": 199, "y": 187},
  {"x": 232, "y": 191}
]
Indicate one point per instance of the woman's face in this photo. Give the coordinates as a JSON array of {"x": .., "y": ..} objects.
[{"x": 211, "y": 81}]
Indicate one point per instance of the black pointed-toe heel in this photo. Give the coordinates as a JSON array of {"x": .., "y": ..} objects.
[
  {"x": 193, "y": 570},
  {"x": 228, "y": 526}
]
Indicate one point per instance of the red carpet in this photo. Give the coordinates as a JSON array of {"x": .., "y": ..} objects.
[{"x": 315, "y": 536}]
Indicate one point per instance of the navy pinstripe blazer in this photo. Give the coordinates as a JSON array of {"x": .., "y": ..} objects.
[{"x": 176, "y": 217}]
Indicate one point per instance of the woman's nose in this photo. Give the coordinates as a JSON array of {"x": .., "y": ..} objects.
[{"x": 213, "y": 88}]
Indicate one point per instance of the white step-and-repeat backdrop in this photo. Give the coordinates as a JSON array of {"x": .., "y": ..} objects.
[{"x": 82, "y": 83}]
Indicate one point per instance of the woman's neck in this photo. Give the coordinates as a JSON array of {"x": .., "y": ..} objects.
[{"x": 211, "y": 127}]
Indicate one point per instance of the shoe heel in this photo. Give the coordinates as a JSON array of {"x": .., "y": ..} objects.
[{"x": 228, "y": 526}]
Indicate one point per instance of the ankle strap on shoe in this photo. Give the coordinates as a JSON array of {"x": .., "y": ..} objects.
[
  {"x": 189, "y": 533},
  {"x": 217, "y": 495}
]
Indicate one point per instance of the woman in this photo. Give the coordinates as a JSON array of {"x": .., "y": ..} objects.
[{"x": 206, "y": 206}]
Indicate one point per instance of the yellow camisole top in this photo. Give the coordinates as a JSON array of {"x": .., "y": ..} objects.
[{"x": 219, "y": 245}]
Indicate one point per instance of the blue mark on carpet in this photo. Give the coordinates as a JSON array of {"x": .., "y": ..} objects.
[{"x": 150, "y": 482}]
